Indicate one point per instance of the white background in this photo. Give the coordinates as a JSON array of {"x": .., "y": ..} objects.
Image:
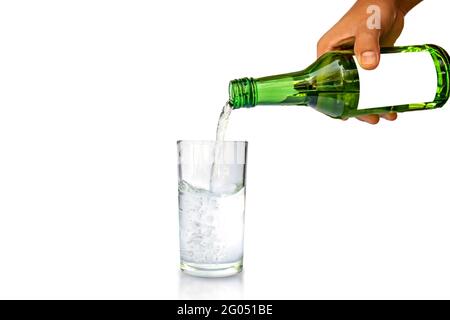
[{"x": 94, "y": 95}]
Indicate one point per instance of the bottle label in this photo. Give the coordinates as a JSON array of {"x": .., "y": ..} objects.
[{"x": 400, "y": 78}]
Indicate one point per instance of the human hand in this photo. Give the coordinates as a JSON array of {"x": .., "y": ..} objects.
[{"x": 352, "y": 30}]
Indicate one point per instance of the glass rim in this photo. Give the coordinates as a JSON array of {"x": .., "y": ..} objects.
[{"x": 211, "y": 141}]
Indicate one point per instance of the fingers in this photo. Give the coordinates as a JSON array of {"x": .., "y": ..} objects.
[
  {"x": 370, "y": 118},
  {"x": 367, "y": 48},
  {"x": 389, "y": 116},
  {"x": 374, "y": 118},
  {"x": 366, "y": 44},
  {"x": 388, "y": 39},
  {"x": 333, "y": 40}
]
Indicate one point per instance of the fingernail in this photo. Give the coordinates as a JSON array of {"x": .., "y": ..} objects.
[{"x": 368, "y": 58}]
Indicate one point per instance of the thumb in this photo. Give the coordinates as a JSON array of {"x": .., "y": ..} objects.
[{"x": 367, "y": 48}]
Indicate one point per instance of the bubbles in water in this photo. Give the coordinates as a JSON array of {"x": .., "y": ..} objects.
[{"x": 211, "y": 225}]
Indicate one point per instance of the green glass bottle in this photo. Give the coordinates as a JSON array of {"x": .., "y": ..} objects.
[{"x": 408, "y": 78}]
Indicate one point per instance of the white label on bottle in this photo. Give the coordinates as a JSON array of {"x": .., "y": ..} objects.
[{"x": 400, "y": 78}]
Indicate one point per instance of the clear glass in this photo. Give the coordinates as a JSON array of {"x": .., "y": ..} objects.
[{"x": 211, "y": 198}]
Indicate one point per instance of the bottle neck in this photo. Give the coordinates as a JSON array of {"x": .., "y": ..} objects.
[
  {"x": 242, "y": 93},
  {"x": 296, "y": 88}
]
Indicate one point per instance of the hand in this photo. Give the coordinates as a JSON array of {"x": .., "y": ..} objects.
[{"x": 352, "y": 31}]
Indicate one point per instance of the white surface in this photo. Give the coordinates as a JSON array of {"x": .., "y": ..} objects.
[
  {"x": 93, "y": 96},
  {"x": 400, "y": 78}
]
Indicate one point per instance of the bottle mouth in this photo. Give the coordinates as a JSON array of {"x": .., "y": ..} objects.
[{"x": 242, "y": 93}]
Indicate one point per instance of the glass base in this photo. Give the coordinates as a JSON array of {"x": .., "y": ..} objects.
[{"x": 211, "y": 270}]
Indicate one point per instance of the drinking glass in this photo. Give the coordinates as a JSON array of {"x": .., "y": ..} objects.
[{"x": 211, "y": 198}]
